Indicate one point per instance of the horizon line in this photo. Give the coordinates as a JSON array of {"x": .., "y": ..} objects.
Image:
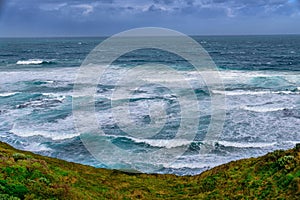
[{"x": 106, "y": 36}]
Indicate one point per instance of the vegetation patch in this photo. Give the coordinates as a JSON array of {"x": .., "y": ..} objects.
[{"x": 24, "y": 175}]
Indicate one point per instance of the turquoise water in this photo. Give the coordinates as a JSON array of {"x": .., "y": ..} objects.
[{"x": 261, "y": 75}]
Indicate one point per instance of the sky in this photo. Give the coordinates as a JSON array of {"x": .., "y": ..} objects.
[{"x": 44, "y": 18}]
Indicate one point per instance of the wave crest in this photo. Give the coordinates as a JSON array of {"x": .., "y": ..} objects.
[
  {"x": 34, "y": 62},
  {"x": 263, "y": 109}
]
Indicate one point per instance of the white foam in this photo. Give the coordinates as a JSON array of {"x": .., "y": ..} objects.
[
  {"x": 164, "y": 143},
  {"x": 36, "y": 147},
  {"x": 249, "y": 92},
  {"x": 293, "y": 142},
  {"x": 240, "y": 92},
  {"x": 40, "y": 102},
  {"x": 286, "y": 92},
  {"x": 240, "y": 76},
  {"x": 246, "y": 145},
  {"x": 63, "y": 128},
  {"x": 193, "y": 165},
  {"x": 61, "y": 75},
  {"x": 57, "y": 96},
  {"x": 46, "y": 134},
  {"x": 172, "y": 143},
  {"x": 264, "y": 109},
  {"x": 49, "y": 81},
  {"x": 7, "y": 94},
  {"x": 31, "y": 62},
  {"x": 200, "y": 161}
]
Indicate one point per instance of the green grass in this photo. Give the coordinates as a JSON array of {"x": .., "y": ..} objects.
[{"x": 24, "y": 175}]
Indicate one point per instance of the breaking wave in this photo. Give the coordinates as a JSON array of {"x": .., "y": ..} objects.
[{"x": 34, "y": 62}]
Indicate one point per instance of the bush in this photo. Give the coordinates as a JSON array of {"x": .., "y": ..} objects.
[
  {"x": 208, "y": 184},
  {"x": 13, "y": 189},
  {"x": 286, "y": 162},
  {"x": 19, "y": 156},
  {"x": 7, "y": 197},
  {"x": 297, "y": 147}
]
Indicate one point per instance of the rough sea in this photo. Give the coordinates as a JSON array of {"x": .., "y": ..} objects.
[{"x": 261, "y": 76}]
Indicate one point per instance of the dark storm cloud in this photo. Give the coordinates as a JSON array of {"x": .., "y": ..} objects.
[{"x": 94, "y": 17}]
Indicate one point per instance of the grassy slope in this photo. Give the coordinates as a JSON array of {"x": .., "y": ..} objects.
[{"x": 30, "y": 176}]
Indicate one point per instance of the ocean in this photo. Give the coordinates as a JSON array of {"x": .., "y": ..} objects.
[{"x": 261, "y": 76}]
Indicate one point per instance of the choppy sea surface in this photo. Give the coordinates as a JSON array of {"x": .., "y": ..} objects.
[{"x": 261, "y": 76}]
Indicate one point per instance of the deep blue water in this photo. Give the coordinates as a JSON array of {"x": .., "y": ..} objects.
[{"x": 261, "y": 75}]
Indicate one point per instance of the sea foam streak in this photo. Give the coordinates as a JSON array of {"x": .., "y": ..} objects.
[
  {"x": 264, "y": 109},
  {"x": 56, "y": 96},
  {"x": 46, "y": 134},
  {"x": 249, "y": 92},
  {"x": 32, "y": 62},
  {"x": 240, "y": 92},
  {"x": 246, "y": 145},
  {"x": 7, "y": 94},
  {"x": 163, "y": 143},
  {"x": 52, "y": 98},
  {"x": 36, "y": 147}
]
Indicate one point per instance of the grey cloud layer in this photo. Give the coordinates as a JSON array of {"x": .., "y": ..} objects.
[
  {"x": 110, "y": 16},
  {"x": 236, "y": 7}
]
